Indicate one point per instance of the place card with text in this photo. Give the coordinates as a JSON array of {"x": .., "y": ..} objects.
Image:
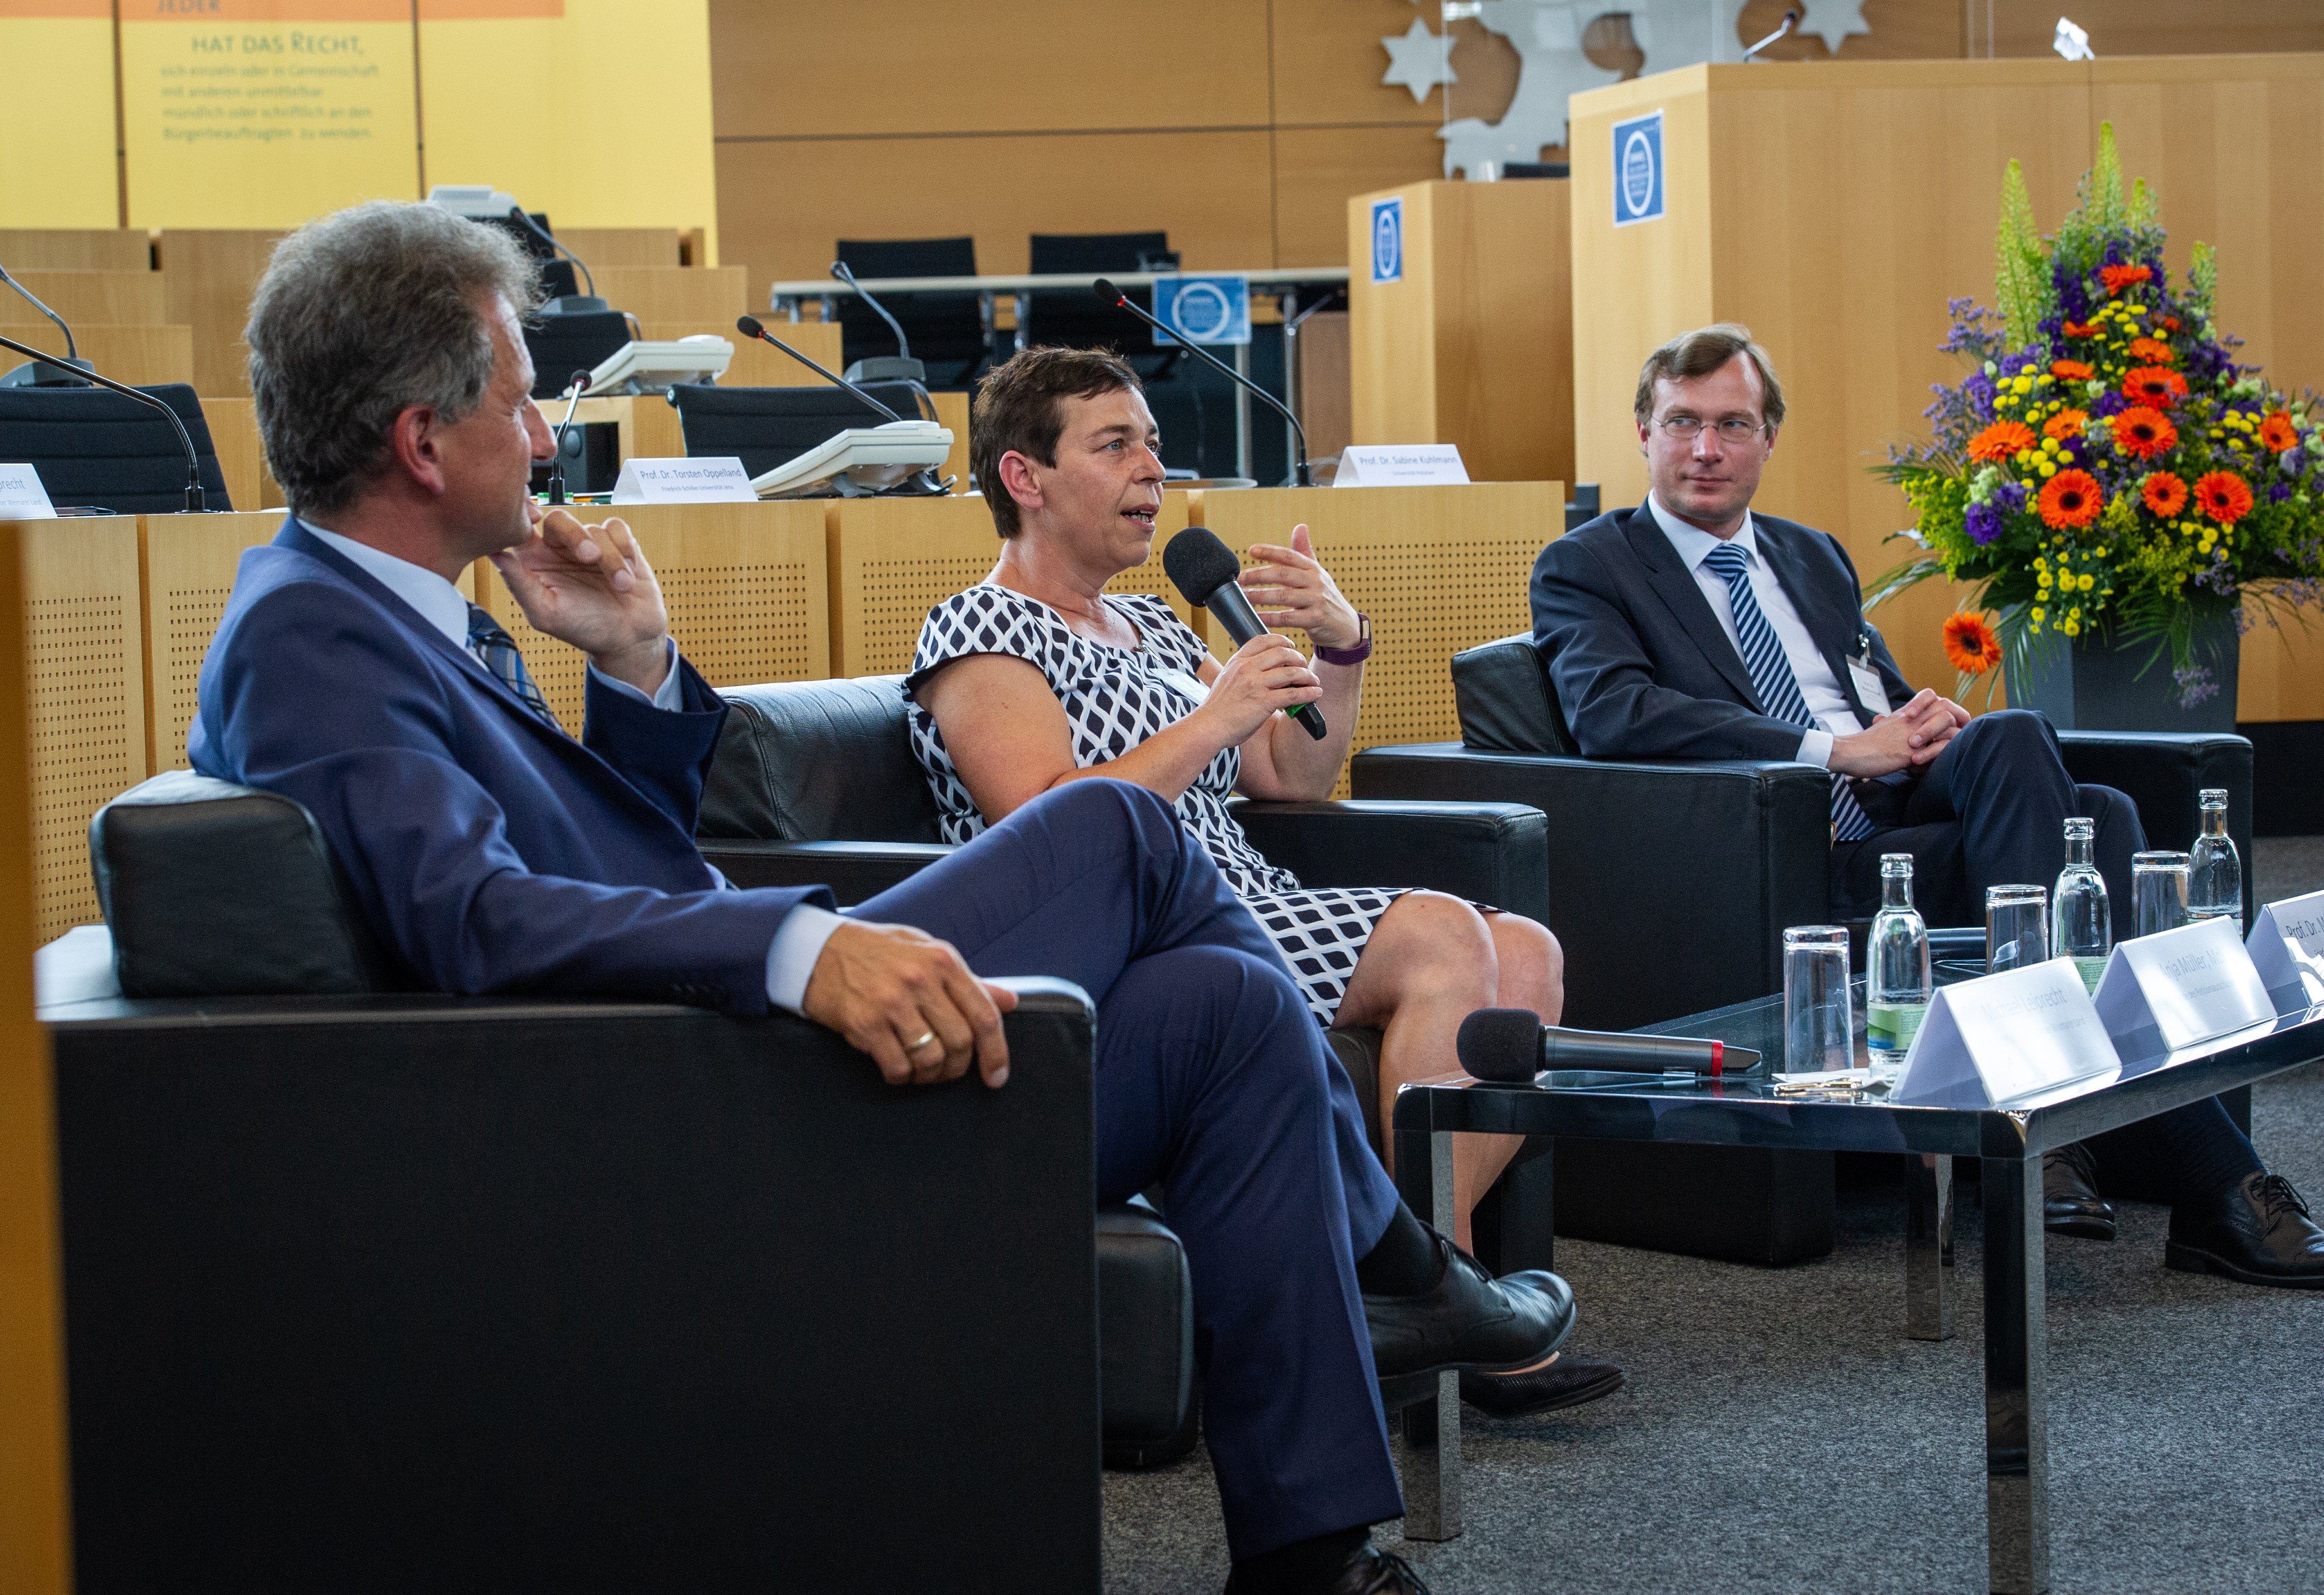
[
  {"x": 21, "y": 496},
  {"x": 706, "y": 479},
  {"x": 1400, "y": 465},
  {"x": 2287, "y": 948},
  {"x": 2004, "y": 1037},
  {"x": 2179, "y": 989}
]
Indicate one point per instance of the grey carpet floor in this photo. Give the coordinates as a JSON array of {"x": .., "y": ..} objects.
[{"x": 1779, "y": 1433}]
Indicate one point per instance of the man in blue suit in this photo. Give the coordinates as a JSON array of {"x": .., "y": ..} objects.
[
  {"x": 1693, "y": 628},
  {"x": 491, "y": 851}
]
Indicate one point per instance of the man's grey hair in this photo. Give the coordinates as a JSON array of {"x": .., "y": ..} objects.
[
  {"x": 1699, "y": 352},
  {"x": 361, "y": 315}
]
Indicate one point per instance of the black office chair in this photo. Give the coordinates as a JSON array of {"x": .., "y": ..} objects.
[
  {"x": 766, "y": 426},
  {"x": 947, "y": 331},
  {"x": 99, "y": 448},
  {"x": 563, "y": 345},
  {"x": 1075, "y": 319}
]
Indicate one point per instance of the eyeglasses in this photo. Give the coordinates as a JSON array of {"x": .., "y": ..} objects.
[{"x": 1686, "y": 429}]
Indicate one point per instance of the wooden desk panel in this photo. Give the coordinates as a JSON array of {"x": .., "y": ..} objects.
[
  {"x": 141, "y": 355},
  {"x": 241, "y": 455},
  {"x": 711, "y": 296},
  {"x": 607, "y": 248},
  {"x": 209, "y": 274},
  {"x": 76, "y": 249},
  {"x": 1438, "y": 569},
  {"x": 119, "y": 297},
  {"x": 85, "y": 696},
  {"x": 744, "y": 585}
]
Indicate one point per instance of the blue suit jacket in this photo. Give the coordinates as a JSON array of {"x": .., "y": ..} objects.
[
  {"x": 1642, "y": 668},
  {"x": 489, "y": 852}
]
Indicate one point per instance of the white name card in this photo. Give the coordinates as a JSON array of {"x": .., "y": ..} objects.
[
  {"x": 2287, "y": 948},
  {"x": 711, "y": 479},
  {"x": 2179, "y": 988},
  {"x": 2004, "y": 1037},
  {"x": 21, "y": 496},
  {"x": 1400, "y": 465}
]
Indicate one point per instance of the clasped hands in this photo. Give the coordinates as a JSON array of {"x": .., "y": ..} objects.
[
  {"x": 1904, "y": 738},
  {"x": 592, "y": 587}
]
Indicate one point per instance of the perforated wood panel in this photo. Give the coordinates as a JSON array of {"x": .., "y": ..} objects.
[
  {"x": 743, "y": 585},
  {"x": 1438, "y": 569},
  {"x": 84, "y": 665},
  {"x": 189, "y": 563},
  {"x": 894, "y": 560}
]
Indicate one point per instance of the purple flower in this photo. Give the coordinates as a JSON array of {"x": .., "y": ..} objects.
[
  {"x": 2109, "y": 402},
  {"x": 1984, "y": 522},
  {"x": 2278, "y": 491},
  {"x": 2010, "y": 496},
  {"x": 2196, "y": 683}
]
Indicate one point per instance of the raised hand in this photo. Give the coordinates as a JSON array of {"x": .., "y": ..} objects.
[
  {"x": 1291, "y": 591},
  {"x": 591, "y": 586}
]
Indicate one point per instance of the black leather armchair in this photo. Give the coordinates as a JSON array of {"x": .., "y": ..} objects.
[{"x": 377, "y": 1290}]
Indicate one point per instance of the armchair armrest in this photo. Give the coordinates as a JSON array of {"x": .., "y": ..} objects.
[
  {"x": 1489, "y": 853},
  {"x": 1654, "y": 868},
  {"x": 853, "y": 871},
  {"x": 2162, "y": 772}
]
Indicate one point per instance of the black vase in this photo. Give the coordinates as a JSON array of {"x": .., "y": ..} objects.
[{"x": 2096, "y": 683}]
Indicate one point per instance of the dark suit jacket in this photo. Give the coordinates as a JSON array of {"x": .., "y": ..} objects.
[
  {"x": 486, "y": 850},
  {"x": 1642, "y": 668}
]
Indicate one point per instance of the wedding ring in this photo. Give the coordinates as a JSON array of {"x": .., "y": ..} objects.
[{"x": 926, "y": 1037}]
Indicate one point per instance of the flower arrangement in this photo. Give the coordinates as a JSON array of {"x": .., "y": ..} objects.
[{"x": 2107, "y": 469}]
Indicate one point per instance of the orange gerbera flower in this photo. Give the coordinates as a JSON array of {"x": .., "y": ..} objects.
[
  {"x": 2073, "y": 498},
  {"x": 2066, "y": 423},
  {"x": 2164, "y": 493},
  {"x": 2142, "y": 433},
  {"x": 2223, "y": 496},
  {"x": 2118, "y": 278},
  {"x": 2072, "y": 371},
  {"x": 2001, "y": 440},
  {"x": 2153, "y": 384},
  {"x": 1970, "y": 644},
  {"x": 2278, "y": 432},
  {"x": 2080, "y": 329},
  {"x": 2154, "y": 351}
]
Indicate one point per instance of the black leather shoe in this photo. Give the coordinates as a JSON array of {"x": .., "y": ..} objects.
[
  {"x": 1566, "y": 1382},
  {"x": 1368, "y": 1571},
  {"x": 1470, "y": 1320},
  {"x": 2259, "y": 1232},
  {"x": 2070, "y": 1202}
]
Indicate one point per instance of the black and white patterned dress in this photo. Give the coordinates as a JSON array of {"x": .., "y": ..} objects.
[{"x": 1115, "y": 699}]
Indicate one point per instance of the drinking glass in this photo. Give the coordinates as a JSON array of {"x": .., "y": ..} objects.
[
  {"x": 1819, "y": 1027},
  {"x": 2017, "y": 926},
  {"x": 2158, "y": 885}
]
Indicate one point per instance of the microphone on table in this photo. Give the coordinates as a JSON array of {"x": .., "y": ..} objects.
[
  {"x": 575, "y": 385},
  {"x": 750, "y": 326},
  {"x": 67, "y": 373},
  {"x": 1512, "y": 1045},
  {"x": 1111, "y": 295},
  {"x": 572, "y": 304},
  {"x": 194, "y": 502},
  {"x": 1204, "y": 570}
]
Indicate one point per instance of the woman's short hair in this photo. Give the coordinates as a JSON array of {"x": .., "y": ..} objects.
[
  {"x": 1020, "y": 410},
  {"x": 361, "y": 315},
  {"x": 1699, "y": 352}
]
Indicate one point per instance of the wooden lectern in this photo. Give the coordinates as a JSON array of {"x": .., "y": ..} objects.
[
  {"x": 1471, "y": 344},
  {"x": 1834, "y": 208}
]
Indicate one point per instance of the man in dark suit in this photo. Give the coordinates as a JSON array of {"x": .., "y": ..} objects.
[
  {"x": 491, "y": 851},
  {"x": 1693, "y": 628}
]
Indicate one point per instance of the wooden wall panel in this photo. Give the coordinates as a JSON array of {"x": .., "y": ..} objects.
[
  {"x": 138, "y": 355},
  {"x": 621, "y": 246},
  {"x": 209, "y": 273},
  {"x": 124, "y": 298},
  {"x": 714, "y": 296},
  {"x": 1317, "y": 169},
  {"x": 75, "y": 249},
  {"x": 190, "y": 565}
]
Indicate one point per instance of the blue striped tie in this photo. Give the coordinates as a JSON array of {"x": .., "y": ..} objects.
[
  {"x": 1772, "y": 678},
  {"x": 498, "y": 651}
]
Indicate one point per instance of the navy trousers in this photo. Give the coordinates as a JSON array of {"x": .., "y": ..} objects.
[{"x": 1212, "y": 1079}]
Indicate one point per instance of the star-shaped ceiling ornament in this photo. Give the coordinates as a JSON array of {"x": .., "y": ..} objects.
[
  {"x": 1419, "y": 60},
  {"x": 1832, "y": 21}
]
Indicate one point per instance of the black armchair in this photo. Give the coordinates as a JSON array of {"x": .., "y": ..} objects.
[{"x": 389, "y": 1291}]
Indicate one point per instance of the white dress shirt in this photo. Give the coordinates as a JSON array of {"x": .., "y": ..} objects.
[
  {"x": 1834, "y": 715},
  {"x": 798, "y": 940}
]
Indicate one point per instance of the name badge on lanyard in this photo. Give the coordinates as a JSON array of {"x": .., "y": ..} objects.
[{"x": 1868, "y": 690}]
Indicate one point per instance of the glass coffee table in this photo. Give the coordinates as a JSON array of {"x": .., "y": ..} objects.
[{"x": 2008, "y": 1138}]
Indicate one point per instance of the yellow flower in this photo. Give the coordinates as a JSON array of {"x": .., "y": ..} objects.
[
  {"x": 2048, "y": 469},
  {"x": 2086, "y": 582},
  {"x": 2039, "y": 613},
  {"x": 2070, "y": 628}
]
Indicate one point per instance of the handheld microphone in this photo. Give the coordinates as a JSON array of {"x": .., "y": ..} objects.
[
  {"x": 1204, "y": 570},
  {"x": 1512, "y": 1045},
  {"x": 750, "y": 326},
  {"x": 575, "y": 386},
  {"x": 194, "y": 502},
  {"x": 572, "y": 303},
  {"x": 63, "y": 374},
  {"x": 1111, "y": 295}
]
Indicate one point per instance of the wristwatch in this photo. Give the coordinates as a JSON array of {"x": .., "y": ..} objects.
[{"x": 1356, "y": 655}]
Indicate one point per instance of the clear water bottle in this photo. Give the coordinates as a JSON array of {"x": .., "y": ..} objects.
[
  {"x": 2081, "y": 923},
  {"x": 2215, "y": 872},
  {"x": 1896, "y": 960}
]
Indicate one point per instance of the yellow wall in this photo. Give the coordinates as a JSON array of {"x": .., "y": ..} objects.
[{"x": 56, "y": 133}]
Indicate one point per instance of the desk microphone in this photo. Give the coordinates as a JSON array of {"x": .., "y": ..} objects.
[
  {"x": 572, "y": 303},
  {"x": 194, "y": 503},
  {"x": 1204, "y": 570},
  {"x": 748, "y": 327},
  {"x": 63, "y": 374},
  {"x": 1512, "y": 1045},
  {"x": 575, "y": 385},
  {"x": 903, "y": 367},
  {"x": 1111, "y": 295}
]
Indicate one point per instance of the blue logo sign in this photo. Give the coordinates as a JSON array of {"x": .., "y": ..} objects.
[
  {"x": 1638, "y": 169},
  {"x": 1388, "y": 240},
  {"x": 1202, "y": 310}
]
